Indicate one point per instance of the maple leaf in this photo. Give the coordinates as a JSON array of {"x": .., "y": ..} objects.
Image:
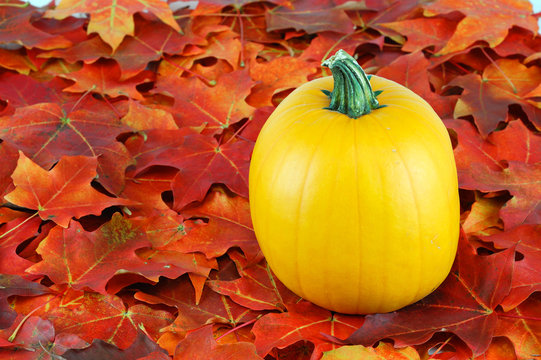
[
  {"x": 487, "y": 97},
  {"x": 484, "y": 217},
  {"x": 312, "y": 17},
  {"x": 410, "y": 71},
  {"x": 257, "y": 288},
  {"x": 52, "y": 193},
  {"x": 95, "y": 316},
  {"x": 113, "y": 19},
  {"x": 100, "y": 349},
  {"x": 487, "y": 20},
  {"x": 45, "y": 132},
  {"x": 507, "y": 160},
  {"x": 527, "y": 276},
  {"x": 383, "y": 351},
  {"x": 422, "y": 32},
  {"x": 211, "y": 308},
  {"x": 103, "y": 77},
  {"x": 204, "y": 162},
  {"x": 15, "y": 61},
  {"x": 271, "y": 79},
  {"x": 464, "y": 304},
  {"x": 327, "y": 42},
  {"x": 12, "y": 234},
  {"x": 302, "y": 321},
  {"x": 523, "y": 181},
  {"x": 67, "y": 260},
  {"x": 201, "y": 345},
  {"x": 15, "y": 285},
  {"x": 148, "y": 188},
  {"x": 217, "y": 107},
  {"x": 140, "y": 117},
  {"x": 20, "y": 90},
  {"x": 229, "y": 225},
  {"x": 17, "y": 28},
  {"x": 522, "y": 327},
  {"x": 31, "y": 336}
]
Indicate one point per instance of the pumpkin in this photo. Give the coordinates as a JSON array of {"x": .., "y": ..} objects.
[{"x": 353, "y": 192}]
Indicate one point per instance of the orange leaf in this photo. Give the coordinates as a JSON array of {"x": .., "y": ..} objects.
[
  {"x": 113, "y": 19},
  {"x": 62, "y": 193}
]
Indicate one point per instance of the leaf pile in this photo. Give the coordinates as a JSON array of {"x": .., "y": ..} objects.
[{"x": 126, "y": 132}]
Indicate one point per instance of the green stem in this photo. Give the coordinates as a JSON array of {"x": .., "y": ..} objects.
[{"x": 352, "y": 94}]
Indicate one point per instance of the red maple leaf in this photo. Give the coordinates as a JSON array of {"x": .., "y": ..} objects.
[{"x": 51, "y": 192}]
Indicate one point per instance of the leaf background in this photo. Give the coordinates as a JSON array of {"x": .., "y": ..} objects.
[{"x": 124, "y": 221}]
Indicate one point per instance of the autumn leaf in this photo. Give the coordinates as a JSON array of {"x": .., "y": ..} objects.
[
  {"x": 257, "y": 288},
  {"x": 487, "y": 97},
  {"x": 487, "y": 20},
  {"x": 201, "y": 345},
  {"x": 17, "y": 28},
  {"x": 211, "y": 308},
  {"x": 527, "y": 276},
  {"x": 113, "y": 20},
  {"x": 216, "y": 107},
  {"x": 66, "y": 259},
  {"x": 15, "y": 285},
  {"x": 51, "y": 193},
  {"x": 269, "y": 76},
  {"x": 422, "y": 33},
  {"x": 100, "y": 349},
  {"x": 45, "y": 132},
  {"x": 312, "y": 17},
  {"x": 229, "y": 225},
  {"x": 522, "y": 327},
  {"x": 409, "y": 70},
  {"x": 104, "y": 78},
  {"x": 302, "y": 321},
  {"x": 383, "y": 351},
  {"x": 95, "y": 316},
  {"x": 203, "y": 161}
]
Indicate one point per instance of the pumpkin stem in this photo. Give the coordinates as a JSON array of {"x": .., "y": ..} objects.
[{"x": 352, "y": 94}]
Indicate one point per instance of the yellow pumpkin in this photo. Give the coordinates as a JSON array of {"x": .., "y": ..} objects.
[{"x": 354, "y": 194}]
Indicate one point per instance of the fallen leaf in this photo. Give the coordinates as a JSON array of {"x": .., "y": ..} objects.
[
  {"x": 113, "y": 19},
  {"x": 51, "y": 192}
]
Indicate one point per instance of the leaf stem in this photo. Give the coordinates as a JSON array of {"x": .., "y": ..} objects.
[{"x": 352, "y": 94}]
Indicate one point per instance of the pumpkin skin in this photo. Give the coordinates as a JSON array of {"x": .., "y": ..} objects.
[{"x": 356, "y": 215}]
